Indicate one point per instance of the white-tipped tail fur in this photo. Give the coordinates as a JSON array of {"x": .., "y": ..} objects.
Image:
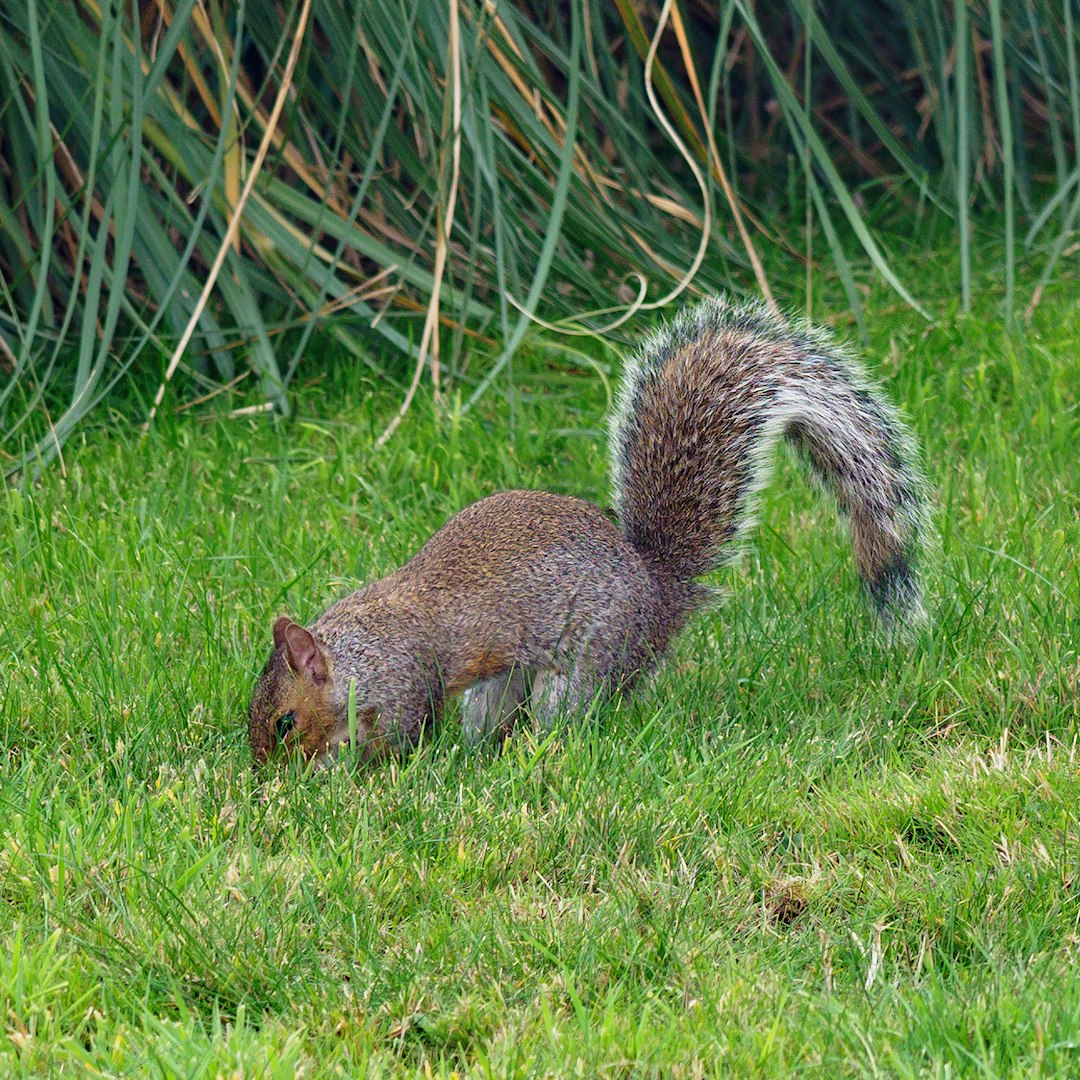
[{"x": 702, "y": 406}]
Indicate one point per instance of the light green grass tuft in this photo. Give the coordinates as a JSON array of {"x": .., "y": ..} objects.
[{"x": 796, "y": 850}]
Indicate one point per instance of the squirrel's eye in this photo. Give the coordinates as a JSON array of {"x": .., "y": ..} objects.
[{"x": 285, "y": 723}]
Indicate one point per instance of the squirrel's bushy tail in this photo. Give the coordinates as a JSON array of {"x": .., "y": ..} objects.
[{"x": 702, "y": 407}]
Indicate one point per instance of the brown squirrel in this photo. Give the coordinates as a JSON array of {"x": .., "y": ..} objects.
[{"x": 531, "y": 600}]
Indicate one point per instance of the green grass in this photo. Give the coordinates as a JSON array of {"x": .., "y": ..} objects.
[
  {"x": 453, "y": 164},
  {"x": 794, "y": 851}
]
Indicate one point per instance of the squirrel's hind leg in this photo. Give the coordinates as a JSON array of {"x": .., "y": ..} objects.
[
  {"x": 571, "y": 687},
  {"x": 489, "y": 707},
  {"x": 559, "y": 692}
]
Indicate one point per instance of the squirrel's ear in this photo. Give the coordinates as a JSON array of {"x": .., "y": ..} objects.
[
  {"x": 280, "y": 626},
  {"x": 303, "y": 652}
]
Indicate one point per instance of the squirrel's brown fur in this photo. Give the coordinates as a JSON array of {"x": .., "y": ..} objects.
[{"x": 527, "y": 599}]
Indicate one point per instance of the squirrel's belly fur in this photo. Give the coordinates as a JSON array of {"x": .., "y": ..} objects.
[{"x": 532, "y": 600}]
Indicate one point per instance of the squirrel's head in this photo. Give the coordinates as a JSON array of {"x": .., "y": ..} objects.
[{"x": 298, "y": 704}]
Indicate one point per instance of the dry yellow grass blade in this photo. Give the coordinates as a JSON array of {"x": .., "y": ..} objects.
[
  {"x": 429, "y": 341},
  {"x": 233, "y": 158},
  {"x": 234, "y": 222},
  {"x": 193, "y": 70},
  {"x": 706, "y": 224},
  {"x": 717, "y": 165},
  {"x": 666, "y": 205},
  {"x": 556, "y": 125}
]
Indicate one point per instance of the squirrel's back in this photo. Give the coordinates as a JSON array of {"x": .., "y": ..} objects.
[{"x": 517, "y": 578}]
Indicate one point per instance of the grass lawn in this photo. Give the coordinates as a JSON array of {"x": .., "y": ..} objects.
[{"x": 795, "y": 850}]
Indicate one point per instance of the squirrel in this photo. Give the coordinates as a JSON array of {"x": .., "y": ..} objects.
[{"x": 532, "y": 601}]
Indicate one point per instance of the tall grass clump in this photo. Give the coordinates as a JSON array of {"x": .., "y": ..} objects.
[{"x": 190, "y": 190}]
